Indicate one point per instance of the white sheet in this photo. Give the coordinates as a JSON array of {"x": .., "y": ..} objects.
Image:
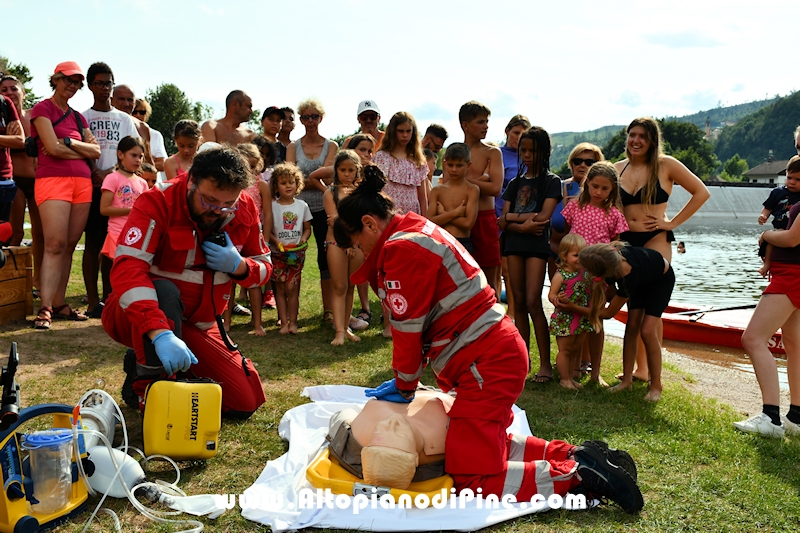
[{"x": 274, "y": 498}]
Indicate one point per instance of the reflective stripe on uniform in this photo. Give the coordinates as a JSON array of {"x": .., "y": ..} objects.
[
  {"x": 410, "y": 377},
  {"x": 516, "y": 451},
  {"x": 150, "y": 227},
  {"x": 190, "y": 276},
  {"x": 137, "y": 294},
  {"x": 515, "y": 472},
  {"x": 488, "y": 319},
  {"x": 466, "y": 288},
  {"x": 544, "y": 481},
  {"x": 136, "y": 253}
]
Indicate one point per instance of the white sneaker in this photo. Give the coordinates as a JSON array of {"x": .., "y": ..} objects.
[
  {"x": 356, "y": 324},
  {"x": 792, "y": 429},
  {"x": 760, "y": 424}
]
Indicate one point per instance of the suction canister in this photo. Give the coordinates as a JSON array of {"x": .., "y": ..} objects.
[{"x": 51, "y": 468}]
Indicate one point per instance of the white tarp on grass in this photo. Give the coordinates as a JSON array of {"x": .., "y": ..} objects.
[{"x": 274, "y": 499}]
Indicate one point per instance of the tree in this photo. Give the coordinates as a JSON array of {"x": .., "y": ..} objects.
[
  {"x": 685, "y": 142},
  {"x": 170, "y": 105},
  {"x": 255, "y": 122},
  {"x": 23, "y": 74},
  {"x": 770, "y": 128},
  {"x": 735, "y": 167},
  {"x": 614, "y": 150}
]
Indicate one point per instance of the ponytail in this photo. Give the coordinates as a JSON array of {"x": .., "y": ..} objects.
[{"x": 366, "y": 199}]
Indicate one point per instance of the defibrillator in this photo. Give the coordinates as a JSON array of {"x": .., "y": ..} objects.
[{"x": 182, "y": 419}]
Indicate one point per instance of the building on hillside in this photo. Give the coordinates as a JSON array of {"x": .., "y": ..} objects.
[{"x": 770, "y": 172}]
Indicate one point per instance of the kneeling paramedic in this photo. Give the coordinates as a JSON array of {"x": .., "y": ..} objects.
[{"x": 183, "y": 243}]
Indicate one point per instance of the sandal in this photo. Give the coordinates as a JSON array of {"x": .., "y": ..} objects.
[
  {"x": 72, "y": 315},
  {"x": 44, "y": 318},
  {"x": 365, "y": 315}
]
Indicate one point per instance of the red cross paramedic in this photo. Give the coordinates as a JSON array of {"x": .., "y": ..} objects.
[
  {"x": 444, "y": 313},
  {"x": 171, "y": 278}
]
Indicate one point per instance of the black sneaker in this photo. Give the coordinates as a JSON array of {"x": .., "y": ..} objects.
[
  {"x": 599, "y": 476},
  {"x": 618, "y": 457},
  {"x": 128, "y": 395}
]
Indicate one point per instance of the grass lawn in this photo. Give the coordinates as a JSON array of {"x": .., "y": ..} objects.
[{"x": 696, "y": 472}]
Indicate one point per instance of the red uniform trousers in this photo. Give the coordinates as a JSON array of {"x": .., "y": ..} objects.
[
  {"x": 480, "y": 454},
  {"x": 241, "y": 393}
]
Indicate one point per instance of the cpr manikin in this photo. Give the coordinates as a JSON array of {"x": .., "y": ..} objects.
[{"x": 398, "y": 442}]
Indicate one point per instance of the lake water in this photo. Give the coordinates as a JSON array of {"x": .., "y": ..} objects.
[{"x": 720, "y": 265}]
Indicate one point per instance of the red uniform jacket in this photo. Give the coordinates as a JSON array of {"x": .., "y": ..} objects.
[
  {"x": 160, "y": 241},
  {"x": 439, "y": 299}
]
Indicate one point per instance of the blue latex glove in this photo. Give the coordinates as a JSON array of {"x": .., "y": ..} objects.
[
  {"x": 387, "y": 391},
  {"x": 222, "y": 259},
  {"x": 173, "y": 353}
]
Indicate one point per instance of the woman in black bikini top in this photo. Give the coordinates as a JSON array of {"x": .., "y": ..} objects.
[
  {"x": 627, "y": 198},
  {"x": 645, "y": 207}
]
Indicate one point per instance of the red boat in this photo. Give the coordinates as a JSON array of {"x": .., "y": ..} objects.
[{"x": 708, "y": 326}]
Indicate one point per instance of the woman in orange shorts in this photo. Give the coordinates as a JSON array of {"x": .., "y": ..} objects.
[{"x": 63, "y": 189}]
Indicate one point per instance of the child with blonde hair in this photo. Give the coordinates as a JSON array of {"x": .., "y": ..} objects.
[
  {"x": 570, "y": 283},
  {"x": 291, "y": 228}
]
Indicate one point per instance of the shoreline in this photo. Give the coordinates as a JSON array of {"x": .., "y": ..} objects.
[{"x": 711, "y": 372}]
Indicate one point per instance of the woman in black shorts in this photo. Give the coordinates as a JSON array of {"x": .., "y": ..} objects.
[{"x": 643, "y": 279}]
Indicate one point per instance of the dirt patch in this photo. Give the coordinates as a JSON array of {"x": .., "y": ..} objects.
[{"x": 714, "y": 373}]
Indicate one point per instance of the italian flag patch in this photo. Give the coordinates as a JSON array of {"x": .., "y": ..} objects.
[{"x": 393, "y": 285}]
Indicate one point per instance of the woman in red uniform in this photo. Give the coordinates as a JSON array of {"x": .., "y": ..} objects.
[{"x": 443, "y": 313}]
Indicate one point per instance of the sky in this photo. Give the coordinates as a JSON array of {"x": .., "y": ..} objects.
[{"x": 567, "y": 66}]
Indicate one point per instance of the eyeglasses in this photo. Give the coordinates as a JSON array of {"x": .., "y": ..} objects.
[
  {"x": 103, "y": 84},
  {"x": 368, "y": 116},
  {"x": 576, "y": 161},
  {"x": 213, "y": 207},
  {"x": 313, "y": 116},
  {"x": 142, "y": 112},
  {"x": 72, "y": 81}
]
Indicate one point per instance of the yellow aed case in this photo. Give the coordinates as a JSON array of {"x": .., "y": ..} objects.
[{"x": 182, "y": 419}]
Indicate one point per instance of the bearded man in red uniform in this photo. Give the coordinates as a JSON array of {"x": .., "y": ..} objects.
[{"x": 182, "y": 245}]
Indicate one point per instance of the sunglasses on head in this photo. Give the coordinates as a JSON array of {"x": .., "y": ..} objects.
[
  {"x": 576, "y": 161},
  {"x": 313, "y": 116}
]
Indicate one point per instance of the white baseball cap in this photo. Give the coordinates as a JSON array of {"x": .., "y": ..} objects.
[{"x": 368, "y": 105}]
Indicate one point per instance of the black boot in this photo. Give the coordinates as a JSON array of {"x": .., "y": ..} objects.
[
  {"x": 601, "y": 477},
  {"x": 128, "y": 395}
]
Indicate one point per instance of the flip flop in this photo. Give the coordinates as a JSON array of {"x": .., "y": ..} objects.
[{"x": 542, "y": 379}]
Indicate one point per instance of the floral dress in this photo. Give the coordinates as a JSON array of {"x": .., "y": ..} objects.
[
  {"x": 576, "y": 286},
  {"x": 403, "y": 178}
]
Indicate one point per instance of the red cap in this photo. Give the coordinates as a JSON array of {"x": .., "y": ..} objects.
[{"x": 68, "y": 68}]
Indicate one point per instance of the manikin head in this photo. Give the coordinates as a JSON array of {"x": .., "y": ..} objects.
[{"x": 392, "y": 455}]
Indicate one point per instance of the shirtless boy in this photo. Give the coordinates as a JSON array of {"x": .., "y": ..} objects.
[
  {"x": 486, "y": 172},
  {"x": 238, "y": 108},
  {"x": 454, "y": 204}
]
